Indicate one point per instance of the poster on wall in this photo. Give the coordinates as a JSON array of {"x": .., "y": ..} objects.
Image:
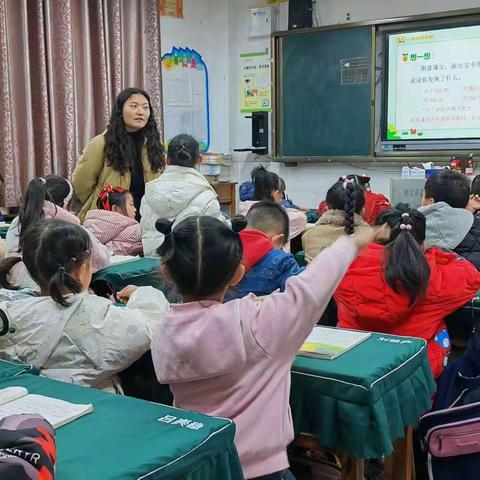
[
  {"x": 255, "y": 82},
  {"x": 171, "y": 8},
  {"x": 185, "y": 96}
]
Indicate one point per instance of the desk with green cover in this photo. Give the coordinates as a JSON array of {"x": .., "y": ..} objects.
[
  {"x": 144, "y": 271},
  {"x": 123, "y": 438},
  {"x": 11, "y": 369},
  {"x": 360, "y": 402}
]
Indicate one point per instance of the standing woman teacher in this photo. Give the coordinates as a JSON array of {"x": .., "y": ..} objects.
[{"x": 127, "y": 155}]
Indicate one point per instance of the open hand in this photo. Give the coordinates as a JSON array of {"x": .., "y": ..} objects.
[{"x": 376, "y": 234}]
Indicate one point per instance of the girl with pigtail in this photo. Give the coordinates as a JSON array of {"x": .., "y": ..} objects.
[
  {"x": 345, "y": 204},
  {"x": 65, "y": 331},
  {"x": 401, "y": 288}
]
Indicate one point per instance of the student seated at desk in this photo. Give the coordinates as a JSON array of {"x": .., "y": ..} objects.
[
  {"x": 451, "y": 224},
  {"x": 233, "y": 359},
  {"x": 263, "y": 234},
  {"x": 345, "y": 207},
  {"x": 268, "y": 186},
  {"x": 47, "y": 197},
  {"x": 114, "y": 224},
  {"x": 66, "y": 332},
  {"x": 375, "y": 203},
  {"x": 179, "y": 192},
  {"x": 401, "y": 289}
]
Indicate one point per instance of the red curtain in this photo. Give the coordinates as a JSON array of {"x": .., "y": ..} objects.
[{"x": 62, "y": 64}]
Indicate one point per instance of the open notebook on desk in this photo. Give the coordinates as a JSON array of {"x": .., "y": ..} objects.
[
  {"x": 17, "y": 400},
  {"x": 329, "y": 343}
]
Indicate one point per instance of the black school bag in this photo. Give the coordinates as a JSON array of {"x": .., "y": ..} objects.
[{"x": 450, "y": 433}]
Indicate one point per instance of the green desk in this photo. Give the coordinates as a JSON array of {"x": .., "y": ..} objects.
[
  {"x": 363, "y": 400},
  {"x": 10, "y": 369},
  {"x": 300, "y": 259},
  {"x": 312, "y": 216},
  {"x": 123, "y": 439},
  {"x": 3, "y": 230},
  {"x": 143, "y": 272}
]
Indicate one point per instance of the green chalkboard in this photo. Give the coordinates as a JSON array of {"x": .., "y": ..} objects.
[{"x": 324, "y": 85}]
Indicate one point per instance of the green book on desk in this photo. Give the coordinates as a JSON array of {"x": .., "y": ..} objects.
[{"x": 329, "y": 343}]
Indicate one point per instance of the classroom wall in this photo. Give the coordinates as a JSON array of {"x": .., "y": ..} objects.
[
  {"x": 308, "y": 184},
  {"x": 335, "y": 11},
  {"x": 218, "y": 29},
  {"x": 205, "y": 29}
]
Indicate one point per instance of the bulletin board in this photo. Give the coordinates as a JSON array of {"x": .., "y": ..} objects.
[{"x": 186, "y": 96}]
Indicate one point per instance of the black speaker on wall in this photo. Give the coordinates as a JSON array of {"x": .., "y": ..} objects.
[{"x": 300, "y": 14}]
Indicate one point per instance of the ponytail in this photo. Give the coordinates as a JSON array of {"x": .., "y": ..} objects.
[
  {"x": 167, "y": 249},
  {"x": 348, "y": 197},
  {"x": 53, "y": 250},
  {"x": 53, "y": 188},
  {"x": 406, "y": 265},
  {"x": 60, "y": 282},
  {"x": 239, "y": 223},
  {"x": 349, "y": 207},
  {"x": 264, "y": 184},
  {"x": 5, "y": 269},
  {"x": 31, "y": 210}
]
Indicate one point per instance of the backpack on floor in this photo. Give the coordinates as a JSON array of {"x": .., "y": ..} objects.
[
  {"x": 450, "y": 434},
  {"x": 309, "y": 460}
]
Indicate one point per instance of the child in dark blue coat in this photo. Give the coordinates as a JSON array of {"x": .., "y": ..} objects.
[{"x": 263, "y": 233}]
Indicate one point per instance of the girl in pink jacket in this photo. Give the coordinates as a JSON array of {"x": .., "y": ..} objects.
[
  {"x": 114, "y": 224},
  {"x": 45, "y": 198},
  {"x": 233, "y": 360}
]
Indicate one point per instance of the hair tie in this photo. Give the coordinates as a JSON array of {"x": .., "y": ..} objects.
[
  {"x": 406, "y": 227},
  {"x": 104, "y": 195},
  {"x": 347, "y": 181},
  {"x": 69, "y": 197},
  {"x": 42, "y": 180},
  {"x": 86, "y": 253},
  {"x": 405, "y": 215},
  {"x": 61, "y": 269}
]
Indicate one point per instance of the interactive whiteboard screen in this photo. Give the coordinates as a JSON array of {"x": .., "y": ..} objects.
[{"x": 433, "y": 85}]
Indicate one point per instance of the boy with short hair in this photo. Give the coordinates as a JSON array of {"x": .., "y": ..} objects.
[
  {"x": 267, "y": 266},
  {"x": 450, "y": 223}
]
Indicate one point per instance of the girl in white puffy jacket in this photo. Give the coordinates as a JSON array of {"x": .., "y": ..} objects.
[
  {"x": 181, "y": 191},
  {"x": 66, "y": 332}
]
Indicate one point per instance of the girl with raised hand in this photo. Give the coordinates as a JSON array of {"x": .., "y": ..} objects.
[{"x": 233, "y": 359}]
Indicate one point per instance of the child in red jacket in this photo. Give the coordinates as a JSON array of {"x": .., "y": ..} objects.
[{"x": 401, "y": 289}]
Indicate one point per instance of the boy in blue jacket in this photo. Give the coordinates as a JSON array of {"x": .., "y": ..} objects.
[{"x": 263, "y": 233}]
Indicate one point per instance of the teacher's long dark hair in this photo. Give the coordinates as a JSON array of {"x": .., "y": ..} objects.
[
  {"x": 406, "y": 265},
  {"x": 120, "y": 148}
]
